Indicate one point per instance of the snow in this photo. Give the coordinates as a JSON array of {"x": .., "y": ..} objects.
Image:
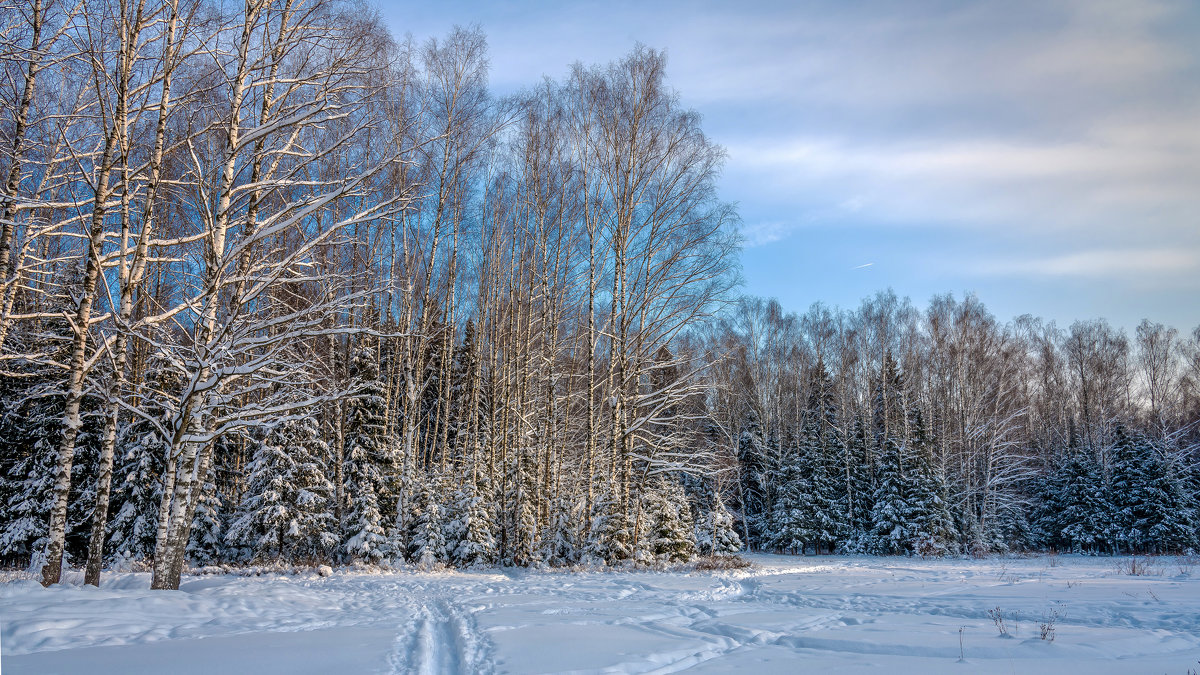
[{"x": 849, "y": 614}]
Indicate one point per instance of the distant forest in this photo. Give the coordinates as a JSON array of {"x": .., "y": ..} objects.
[{"x": 281, "y": 288}]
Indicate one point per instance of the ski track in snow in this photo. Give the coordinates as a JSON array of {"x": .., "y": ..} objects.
[
  {"x": 440, "y": 638},
  {"x": 849, "y": 614}
]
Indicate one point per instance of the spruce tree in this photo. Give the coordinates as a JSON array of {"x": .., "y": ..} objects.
[
  {"x": 84, "y": 471},
  {"x": 206, "y": 543},
  {"x": 1048, "y": 490},
  {"x": 368, "y": 466},
  {"x": 470, "y": 531},
  {"x": 31, "y": 407},
  {"x": 1130, "y": 464},
  {"x": 1166, "y": 513},
  {"x": 824, "y": 521},
  {"x": 889, "y": 406},
  {"x": 561, "y": 542},
  {"x": 27, "y": 487},
  {"x": 520, "y": 533},
  {"x": 428, "y": 541},
  {"x": 260, "y": 524},
  {"x": 891, "y": 512},
  {"x": 790, "y": 526},
  {"x": 716, "y": 532},
  {"x": 932, "y": 524},
  {"x": 830, "y": 475},
  {"x": 137, "y": 491},
  {"x": 466, "y": 397},
  {"x": 1085, "y": 511},
  {"x": 139, "y": 463},
  {"x": 754, "y": 464},
  {"x": 363, "y": 538},
  {"x": 861, "y": 490},
  {"x": 610, "y": 535},
  {"x": 669, "y": 522}
]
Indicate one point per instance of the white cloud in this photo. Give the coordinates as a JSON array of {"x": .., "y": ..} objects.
[
  {"x": 1141, "y": 174},
  {"x": 1096, "y": 263},
  {"x": 762, "y": 233}
]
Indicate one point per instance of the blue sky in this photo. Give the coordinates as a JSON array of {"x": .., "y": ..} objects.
[{"x": 1044, "y": 155}]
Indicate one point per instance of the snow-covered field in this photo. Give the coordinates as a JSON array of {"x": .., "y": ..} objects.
[{"x": 784, "y": 615}]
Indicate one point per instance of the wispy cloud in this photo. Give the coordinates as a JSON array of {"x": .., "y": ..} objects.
[
  {"x": 1096, "y": 263},
  {"x": 1103, "y": 181},
  {"x": 760, "y": 234}
]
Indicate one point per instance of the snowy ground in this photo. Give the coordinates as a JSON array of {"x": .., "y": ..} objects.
[{"x": 785, "y": 615}]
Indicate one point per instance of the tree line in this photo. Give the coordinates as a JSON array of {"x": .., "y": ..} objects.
[
  {"x": 279, "y": 286},
  {"x": 891, "y": 430}
]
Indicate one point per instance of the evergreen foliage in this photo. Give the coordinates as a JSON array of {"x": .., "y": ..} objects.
[
  {"x": 287, "y": 506},
  {"x": 610, "y": 534},
  {"x": 754, "y": 464},
  {"x": 427, "y": 545},
  {"x": 471, "y": 540},
  {"x": 368, "y": 466},
  {"x": 670, "y": 536},
  {"x": 716, "y": 532}
]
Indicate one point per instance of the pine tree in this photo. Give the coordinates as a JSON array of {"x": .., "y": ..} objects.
[
  {"x": 368, "y": 467},
  {"x": 610, "y": 535},
  {"x": 891, "y": 513},
  {"x": 470, "y": 531},
  {"x": 716, "y": 533},
  {"x": 206, "y": 543},
  {"x": 669, "y": 522},
  {"x": 754, "y": 463},
  {"x": 561, "y": 541},
  {"x": 1085, "y": 511},
  {"x": 428, "y": 541}
]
